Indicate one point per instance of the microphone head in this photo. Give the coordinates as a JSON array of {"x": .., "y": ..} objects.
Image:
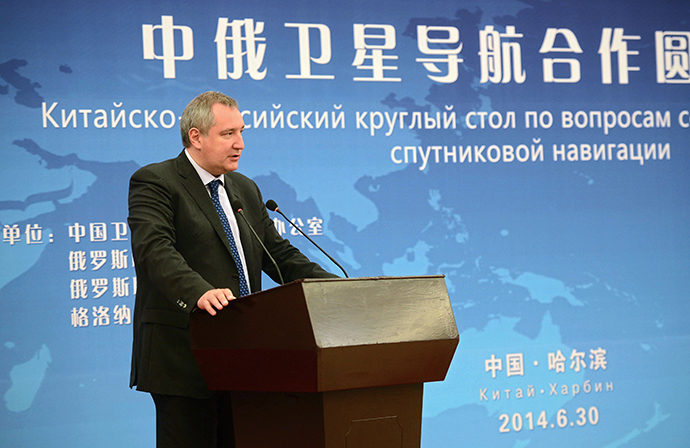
[
  {"x": 271, "y": 205},
  {"x": 237, "y": 205}
]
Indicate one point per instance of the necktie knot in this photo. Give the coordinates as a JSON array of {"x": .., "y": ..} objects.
[{"x": 213, "y": 186}]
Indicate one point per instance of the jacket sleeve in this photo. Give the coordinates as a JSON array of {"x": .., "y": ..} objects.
[{"x": 152, "y": 205}]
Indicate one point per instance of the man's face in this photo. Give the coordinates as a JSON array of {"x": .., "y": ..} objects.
[{"x": 219, "y": 152}]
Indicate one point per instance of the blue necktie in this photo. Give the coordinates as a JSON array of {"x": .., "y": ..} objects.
[{"x": 213, "y": 186}]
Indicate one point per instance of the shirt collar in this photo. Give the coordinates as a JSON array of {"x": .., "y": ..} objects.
[{"x": 204, "y": 175}]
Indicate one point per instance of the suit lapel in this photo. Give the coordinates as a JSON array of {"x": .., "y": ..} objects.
[{"x": 198, "y": 192}]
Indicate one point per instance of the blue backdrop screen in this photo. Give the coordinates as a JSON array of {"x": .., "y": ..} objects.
[{"x": 535, "y": 153}]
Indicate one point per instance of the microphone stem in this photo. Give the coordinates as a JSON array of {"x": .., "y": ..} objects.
[
  {"x": 312, "y": 241},
  {"x": 280, "y": 276}
]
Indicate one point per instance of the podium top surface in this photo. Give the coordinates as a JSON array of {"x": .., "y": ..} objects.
[
  {"x": 328, "y": 313},
  {"x": 379, "y": 310}
]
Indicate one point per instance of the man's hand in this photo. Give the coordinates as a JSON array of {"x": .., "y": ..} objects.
[{"x": 215, "y": 299}]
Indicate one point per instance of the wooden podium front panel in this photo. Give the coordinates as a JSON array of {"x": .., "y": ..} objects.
[
  {"x": 278, "y": 419},
  {"x": 380, "y": 417}
]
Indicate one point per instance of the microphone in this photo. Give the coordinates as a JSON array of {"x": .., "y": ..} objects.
[
  {"x": 237, "y": 205},
  {"x": 272, "y": 206}
]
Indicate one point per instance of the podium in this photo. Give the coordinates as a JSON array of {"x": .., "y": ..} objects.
[{"x": 329, "y": 363}]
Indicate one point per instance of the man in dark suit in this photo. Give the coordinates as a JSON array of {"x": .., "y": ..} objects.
[{"x": 193, "y": 255}]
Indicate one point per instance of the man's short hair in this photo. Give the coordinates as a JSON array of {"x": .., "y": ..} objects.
[{"x": 198, "y": 114}]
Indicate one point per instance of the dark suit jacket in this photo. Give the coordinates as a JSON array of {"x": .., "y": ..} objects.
[{"x": 180, "y": 252}]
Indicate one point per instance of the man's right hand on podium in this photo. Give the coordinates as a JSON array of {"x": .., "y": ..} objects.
[{"x": 215, "y": 299}]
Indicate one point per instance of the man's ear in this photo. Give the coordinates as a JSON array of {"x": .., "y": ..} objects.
[{"x": 195, "y": 138}]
